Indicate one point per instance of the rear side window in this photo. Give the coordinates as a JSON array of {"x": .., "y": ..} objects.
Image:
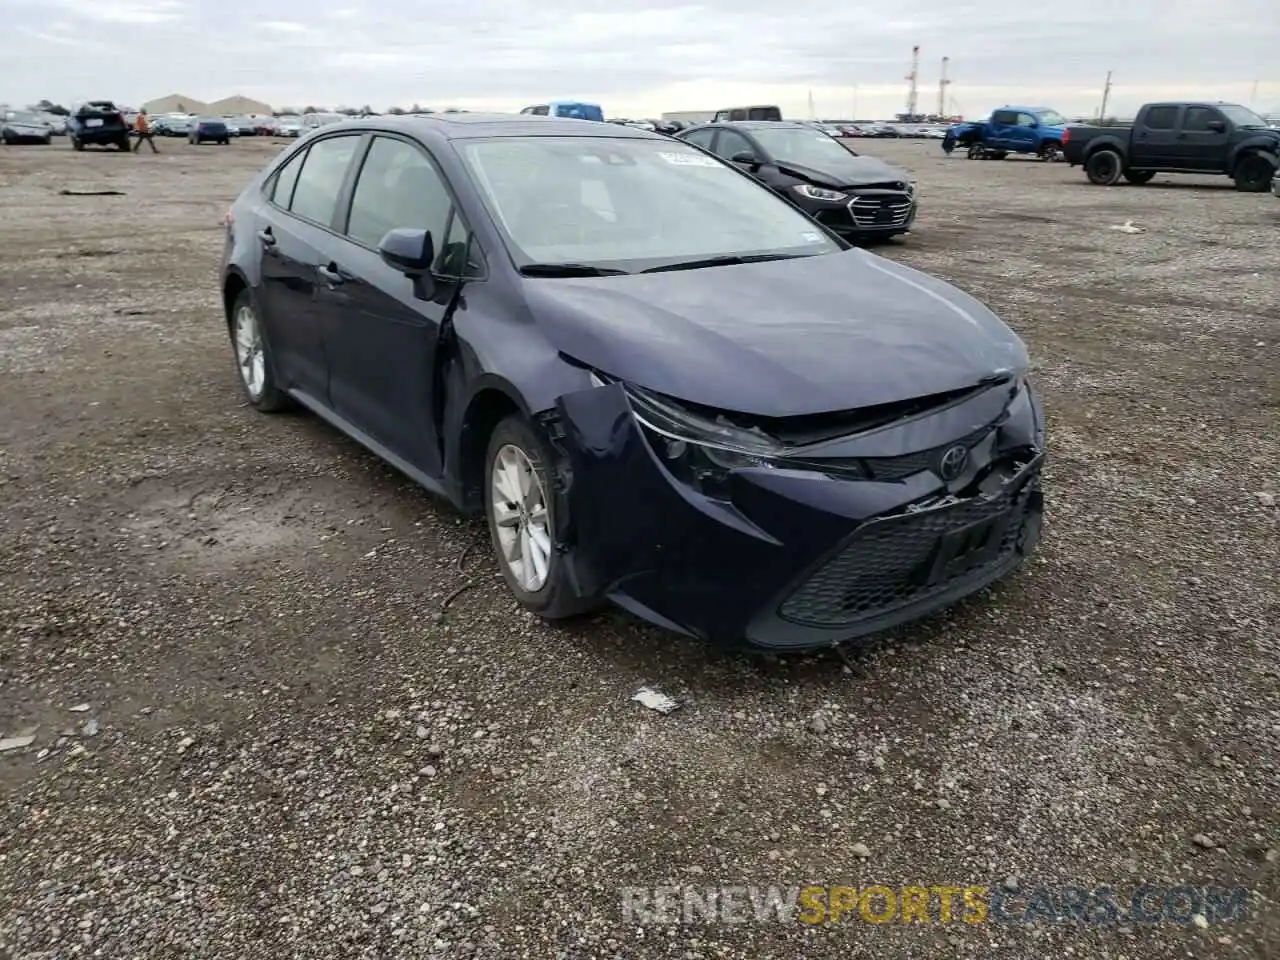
[
  {"x": 1161, "y": 118},
  {"x": 282, "y": 186},
  {"x": 701, "y": 138},
  {"x": 315, "y": 195},
  {"x": 398, "y": 187},
  {"x": 764, "y": 113},
  {"x": 1007, "y": 117}
]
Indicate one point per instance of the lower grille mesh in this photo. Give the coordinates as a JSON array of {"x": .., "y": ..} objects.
[{"x": 890, "y": 563}]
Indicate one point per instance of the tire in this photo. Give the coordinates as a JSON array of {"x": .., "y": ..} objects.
[
  {"x": 517, "y": 451},
  {"x": 48, "y": 141},
  {"x": 1104, "y": 168},
  {"x": 1253, "y": 174},
  {"x": 1050, "y": 151},
  {"x": 976, "y": 151},
  {"x": 123, "y": 145},
  {"x": 224, "y": 143},
  {"x": 77, "y": 143},
  {"x": 253, "y": 357},
  {"x": 1139, "y": 177}
]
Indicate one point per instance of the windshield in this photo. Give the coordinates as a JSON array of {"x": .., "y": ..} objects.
[
  {"x": 630, "y": 204},
  {"x": 579, "y": 111},
  {"x": 805, "y": 146},
  {"x": 1051, "y": 118},
  {"x": 22, "y": 116},
  {"x": 1241, "y": 116}
]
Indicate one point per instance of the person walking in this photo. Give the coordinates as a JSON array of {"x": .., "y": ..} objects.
[{"x": 142, "y": 127}]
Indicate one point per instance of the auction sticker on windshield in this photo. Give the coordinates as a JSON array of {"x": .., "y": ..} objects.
[{"x": 689, "y": 160}]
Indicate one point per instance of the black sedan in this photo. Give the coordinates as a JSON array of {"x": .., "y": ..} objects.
[
  {"x": 855, "y": 196},
  {"x": 663, "y": 385}
]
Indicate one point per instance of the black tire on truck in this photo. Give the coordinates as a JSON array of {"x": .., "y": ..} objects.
[
  {"x": 1139, "y": 177},
  {"x": 1253, "y": 173},
  {"x": 976, "y": 150},
  {"x": 77, "y": 143},
  {"x": 1104, "y": 167},
  {"x": 1050, "y": 151}
]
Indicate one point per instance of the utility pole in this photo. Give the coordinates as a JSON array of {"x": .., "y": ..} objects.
[
  {"x": 1106, "y": 95},
  {"x": 812, "y": 115},
  {"x": 943, "y": 83},
  {"x": 913, "y": 91}
]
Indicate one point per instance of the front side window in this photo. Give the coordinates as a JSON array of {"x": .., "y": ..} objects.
[
  {"x": 630, "y": 203},
  {"x": 1026, "y": 120},
  {"x": 315, "y": 196},
  {"x": 732, "y": 143},
  {"x": 1197, "y": 119},
  {"x": 1051, "y": 118},
  {"x": 397, "y": 187}
]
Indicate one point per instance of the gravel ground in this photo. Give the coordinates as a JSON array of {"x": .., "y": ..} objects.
[{"x": 260, "y": 716}]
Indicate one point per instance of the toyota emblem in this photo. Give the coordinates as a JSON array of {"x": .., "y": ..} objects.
[{"x": 953, "y": 462}]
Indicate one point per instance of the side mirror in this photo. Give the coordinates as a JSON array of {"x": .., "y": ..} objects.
[
  {"x": 410, "y": 251},
  {"x": 745, "y": 156},
  {"x": 1217, "y": 126}
]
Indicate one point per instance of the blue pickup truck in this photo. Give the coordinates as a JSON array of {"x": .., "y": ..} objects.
[{"x": 1030, "y": 130}]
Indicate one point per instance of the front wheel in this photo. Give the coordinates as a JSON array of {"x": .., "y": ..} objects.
[
  {"x": 521, "y": 509},
  {"x": 1253, "y": 174},
  {"x": 253, "y": 358},
  {"x": 1104, "y": 168},
  {"x": 1139, "y": 177},
  {"x": 976, "y": 151}
]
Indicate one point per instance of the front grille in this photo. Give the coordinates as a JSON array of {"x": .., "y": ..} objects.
[
  {"x": 888, "y": 469},
  {"x": 889, "y": 210},
  {"x": 908, "y": 558}
]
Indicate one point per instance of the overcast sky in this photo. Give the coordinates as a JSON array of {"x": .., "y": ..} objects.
[{"x": 671, "y": 55}]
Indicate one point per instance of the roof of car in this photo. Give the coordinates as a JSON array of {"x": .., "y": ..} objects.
[
  {"x": 760, "y": 124},
  {"x": 464, "y": 126}
]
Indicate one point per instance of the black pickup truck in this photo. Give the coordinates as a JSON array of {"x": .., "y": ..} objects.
[{"x": 1222, "y": 138}]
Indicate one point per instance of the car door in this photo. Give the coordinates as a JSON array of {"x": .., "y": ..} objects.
[
  {"x": 1200, "y": 146},
  {"x": 384, "y": 337},
  {"x": 1154, "y": 140},
  {"x": 295, "y": 227},
  {"x": 1022, "y": 135},
  {"x": 999, "y": 129}
]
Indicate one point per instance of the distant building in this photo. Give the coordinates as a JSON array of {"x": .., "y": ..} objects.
[
  {"x": 237, "y": 106},
  {"x": 176, "y": 103}
]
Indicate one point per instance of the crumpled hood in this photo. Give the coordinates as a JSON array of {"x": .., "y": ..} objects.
[
  {"x": 850, "y": 172},
  {"x": 781, "y": 338}
]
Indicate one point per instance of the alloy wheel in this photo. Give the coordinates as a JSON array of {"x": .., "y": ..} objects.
[
  {"x": 521, "y": 518},
  {"x": 249, "y": 354}
]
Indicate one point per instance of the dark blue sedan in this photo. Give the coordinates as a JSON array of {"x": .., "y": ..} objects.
[
  {"x": 209, "y": 129},
  {"x": 662, "y": 384}
]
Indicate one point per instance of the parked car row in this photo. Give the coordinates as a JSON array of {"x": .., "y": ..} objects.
[{"x": 24, "y": 126}]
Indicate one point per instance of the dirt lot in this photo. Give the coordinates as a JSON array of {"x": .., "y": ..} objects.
[{"x": 290, "y": 745}]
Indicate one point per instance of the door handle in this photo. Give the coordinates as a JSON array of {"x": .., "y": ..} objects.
[
  {"x": 268, "y": 239},
  {"x": 331, "y": 274}
]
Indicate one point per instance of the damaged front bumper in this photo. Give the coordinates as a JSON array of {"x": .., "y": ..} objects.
[{"x": 853, "y": 538}]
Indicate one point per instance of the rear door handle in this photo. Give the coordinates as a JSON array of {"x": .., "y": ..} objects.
[
  {"x": 332, "y": 274},
  {"x": 268, "y": 239}
]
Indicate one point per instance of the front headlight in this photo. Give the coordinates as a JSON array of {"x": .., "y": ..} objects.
[
  {"x": 820, "y": 193},
  {"x": 699, "y": 449}
]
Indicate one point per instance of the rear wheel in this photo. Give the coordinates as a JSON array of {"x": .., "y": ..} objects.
[
  {"x": 77, "y": 143},
  {"x": 253, "y": 358},
  {"x": 1050, "y": 151},
  {"x": 1104, "y": 168},
  {"x": 521, "y": 510},
  {"x": 1139, "y": 177},
  {"x": 1253, "y": 174},
  {"x": 123, "y": 144},
  {"x": 976, "y": 151}
]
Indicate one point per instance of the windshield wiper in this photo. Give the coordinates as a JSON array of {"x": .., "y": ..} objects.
[
  {"x": 568, "y": 270},
  {"x": 725, "y": 261}
]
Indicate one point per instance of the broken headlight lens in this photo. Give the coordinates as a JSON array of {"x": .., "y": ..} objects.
[{"x": 698, "y": 448}]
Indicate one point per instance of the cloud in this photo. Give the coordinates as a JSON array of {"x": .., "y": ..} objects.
[{"x": 668, "y": 55}]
